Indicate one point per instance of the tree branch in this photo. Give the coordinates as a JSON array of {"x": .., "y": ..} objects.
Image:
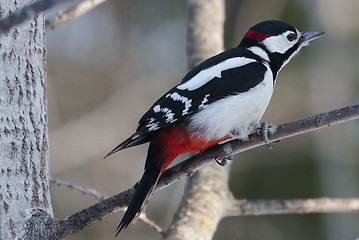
[
  {"x": 72, "y": 13},
  {"x": 84, "y": 190},
  {"x": 120, "y": 201},
  {"x": 31, "y": 10},
  {"x": 150, "y": 223},
  {"x": 25, "y": 13},
  {"x": 298, "y": 206},
  {"x": 191, "y": 165}
]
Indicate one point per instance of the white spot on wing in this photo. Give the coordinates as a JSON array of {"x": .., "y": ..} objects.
[
  {"x": 152, "y": 125},
  {"x": 157, "y": 108},
  {"x": 187, "y": 102},
  {"x": 168, "y": 113},
  {"x": 208, "y": 74},
  {"x": 205, "y": 99}
]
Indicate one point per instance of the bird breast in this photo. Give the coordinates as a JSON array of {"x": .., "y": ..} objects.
[{"x": 234, "y": 113}]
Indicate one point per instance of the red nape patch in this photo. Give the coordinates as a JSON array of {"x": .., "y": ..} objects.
[
  {"x": 176, "y": 140},
  {"x": 258, "y": 36}
]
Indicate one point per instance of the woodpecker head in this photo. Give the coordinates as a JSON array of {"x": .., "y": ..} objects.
[{"x": 277, "y": 42}]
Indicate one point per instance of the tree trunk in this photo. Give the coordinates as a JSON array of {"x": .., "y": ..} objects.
[
  {"x": 206, "y": 194},
  {"x": 24, "y": 148}
]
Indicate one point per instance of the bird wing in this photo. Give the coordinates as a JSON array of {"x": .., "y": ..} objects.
[{"x": 220, "y": 76}]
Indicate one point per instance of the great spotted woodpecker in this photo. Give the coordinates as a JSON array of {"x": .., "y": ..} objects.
[{"x": 221, "y": 98}]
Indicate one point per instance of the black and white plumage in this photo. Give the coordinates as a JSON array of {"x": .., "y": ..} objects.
[
  {"x": 222, "y": 97},
  {"x": 231, "y": 76}
]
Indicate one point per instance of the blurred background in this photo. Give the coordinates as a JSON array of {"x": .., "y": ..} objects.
[{"x": 106, "y": 68}]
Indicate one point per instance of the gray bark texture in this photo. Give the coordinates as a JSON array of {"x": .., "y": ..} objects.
[{"x": 24, "y": 148}]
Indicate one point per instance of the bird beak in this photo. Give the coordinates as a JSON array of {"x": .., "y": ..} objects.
[{"x": 311, "y": 35}]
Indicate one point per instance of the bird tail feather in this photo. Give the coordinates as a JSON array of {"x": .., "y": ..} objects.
[{"x": 141, "y": 197}]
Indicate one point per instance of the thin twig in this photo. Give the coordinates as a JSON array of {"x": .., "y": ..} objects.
[
  {"x": 150, "y": 223},
  {"x": 72, "y": 13},
  {"x": 84, "y": 190},
  {"x": 100, "y": 197}
]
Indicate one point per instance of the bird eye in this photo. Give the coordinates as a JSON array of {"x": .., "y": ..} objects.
[{"x": 291, "y": 36}]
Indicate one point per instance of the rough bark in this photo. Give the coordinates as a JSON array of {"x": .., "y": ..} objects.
[
  {"x": 24, "y": 171},
  {"x": 206, "y": 192}
]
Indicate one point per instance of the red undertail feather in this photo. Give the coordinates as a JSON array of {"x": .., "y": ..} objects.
[
  {"x": 165, "y": 146},
  {"x": 176, "y": 140}
]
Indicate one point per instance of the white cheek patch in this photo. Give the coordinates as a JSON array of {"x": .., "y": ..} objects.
[
  {"x": 296, "y": 51},
  {"x": 280, "y": 43},
  {"x": 208, "y": 74}
]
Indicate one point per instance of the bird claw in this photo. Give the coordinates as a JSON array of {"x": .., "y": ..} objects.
[
  {"x": 263, "y": 129},
  {"x": 223, "y": 161}
]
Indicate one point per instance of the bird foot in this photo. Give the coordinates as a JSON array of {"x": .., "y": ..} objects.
[
  {"x": 263, "y": 129},
  {"x": 223, "y": 161}
]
